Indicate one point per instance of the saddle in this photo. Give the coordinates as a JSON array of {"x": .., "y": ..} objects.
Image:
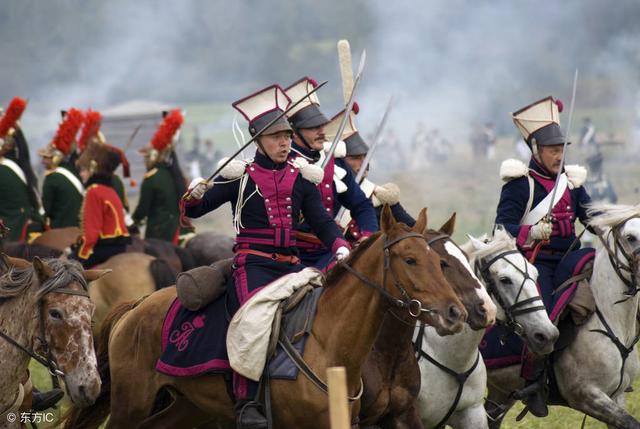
[{"x": 202, "y": 285}]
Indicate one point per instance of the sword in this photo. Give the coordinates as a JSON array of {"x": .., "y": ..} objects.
[
  {"x": 347, "y": 112},
  {"x": 131, "y": 138},
  {"x": 187, "y": 195},
  {"x": 367, "y": 159},
  {"x": 564, "y": 146}
]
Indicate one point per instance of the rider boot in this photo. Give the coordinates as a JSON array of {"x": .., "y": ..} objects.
[
  {"x": 44, "y": 400},
  {"x": 249, "y": 413},
  {"x": 535, "y": 392}
]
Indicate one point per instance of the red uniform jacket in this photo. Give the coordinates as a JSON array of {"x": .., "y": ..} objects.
[{"x": 102, "y": 217}]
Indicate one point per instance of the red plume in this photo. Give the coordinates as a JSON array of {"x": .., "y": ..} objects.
[
  {"x": 66, "y": 134},
  {"x": 313, "y": 82},
  {"x": 12, "y": 115},
  {"x": 356, "y": 108},
  {"x": 92, "y": 120},
  {"x": 560, "y": 105},
  {"x": 167, "y": 129}
]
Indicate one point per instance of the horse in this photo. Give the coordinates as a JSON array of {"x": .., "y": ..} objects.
[
  {"x": 594, "y": 370},
  {"x": 391, "y": 374},
  {"x": 58, "y": 238},
  {"x": 179, "y": 258},
  {"x": 45, "y": 314},
  {"x": 348, "y": 319},
  {"x": 453, "y": 374},
  {"x": 209, "y": 247},
  {"x": 134, "y": 275}
]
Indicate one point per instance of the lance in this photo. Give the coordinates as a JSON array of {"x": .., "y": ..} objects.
[
  {"x": 187, "y": 195},
  {"x": 348, "y": 108}
]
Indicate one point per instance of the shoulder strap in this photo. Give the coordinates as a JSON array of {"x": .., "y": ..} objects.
[
  {"x": 15, "y": 168},
  {"x": 71, "y": 178},
  {"x": 540, "y": 211}
]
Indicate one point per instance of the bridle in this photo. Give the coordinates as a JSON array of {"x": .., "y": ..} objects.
[
  {"x": 48, "y": 361},
  {"x": 413, "y": 305},
  {"x": 482, "y": 267},
  {"x": 631, "y": 259}
]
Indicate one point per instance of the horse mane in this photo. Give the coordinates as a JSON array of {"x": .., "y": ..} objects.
[
  {"x": 500, "y": 242},
  {"x": 605, "y": 215},
  {"x": 17, "y": 280},
  {"x": 338, "y": 270}
]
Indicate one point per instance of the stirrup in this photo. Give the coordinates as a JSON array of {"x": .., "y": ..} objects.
[{"x": 249, "y": 415}]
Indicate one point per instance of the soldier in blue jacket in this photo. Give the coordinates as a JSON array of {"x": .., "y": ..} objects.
[
  {"x": 268, "y": 195},
  {"x": 524, "y": 203},
  {"x": 337, "y": 187}
]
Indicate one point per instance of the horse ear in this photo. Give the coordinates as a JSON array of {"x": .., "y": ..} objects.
[
  {"x": 450, "y": 225},
  {"x": 387, "y": 221},
  {"x": 91, "y": 275},
  {"x": 43, "y": 270},
  {"x": 421, "y": 224},
  {"x": 475, "y": 243},
  {"x": 5, "y": 263}
]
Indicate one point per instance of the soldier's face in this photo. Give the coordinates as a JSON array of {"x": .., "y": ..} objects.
[
  {"x": 551, "y": 157},
  {"x": 276, "y": 146},
  {"x": 85, "y": 174},
  {"x": 314, "y": 137},
  {"x": 355, "y": 162},
  {"x": 47, "y": 162}
]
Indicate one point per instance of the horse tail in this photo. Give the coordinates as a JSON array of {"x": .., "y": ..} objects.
[
  {"x": 93, "y": 416},
  {"x": 186, "y": 258},
  {"x": 163, "y": 275}
]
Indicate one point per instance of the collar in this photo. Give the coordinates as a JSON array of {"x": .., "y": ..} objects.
[
  {"x": 310, "y": 155},
  {"x": 266, "y": 162},
  {"x": 99, "y": 179}
]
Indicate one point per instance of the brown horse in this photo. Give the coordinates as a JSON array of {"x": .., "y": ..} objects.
[
  {"x": 45, "y": 313},
  {"x": 58, "y": 238},
  {"x": 391, "y": 373},
  {"x": 348, "y": 319}
]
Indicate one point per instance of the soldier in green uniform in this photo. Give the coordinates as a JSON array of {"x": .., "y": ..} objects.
[
  {"x": 20, "y": 208},
  {"x": 164, "y": 183},
  {"x": 62, "y": 190}
]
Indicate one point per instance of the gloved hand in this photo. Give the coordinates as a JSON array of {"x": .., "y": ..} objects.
[
  {"x": 198, "y": 187},
  {"x": 341, "y": 253},
  {"x": 541, "y": 230}
]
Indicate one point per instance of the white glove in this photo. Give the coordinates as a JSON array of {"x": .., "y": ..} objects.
[
  {"x": 341, "y": 253},
  {"x": 541, "y": 231},
  {"x": 198, "y": 187}
]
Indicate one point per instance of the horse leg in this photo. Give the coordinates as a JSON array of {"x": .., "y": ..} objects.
[
  {"x": 469, "y": 418},
  {"x": 410, "y": 419},
  {"x": 129, "y": 410},
  {"x": 496, "y": 406},
  {"x": 598, "y": 405},
  {"x": 180, "y": 413}
]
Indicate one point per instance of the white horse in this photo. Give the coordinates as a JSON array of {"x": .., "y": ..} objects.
[
  {"x": 594, "y": 371},
  {"x": 458, "y": 400}
]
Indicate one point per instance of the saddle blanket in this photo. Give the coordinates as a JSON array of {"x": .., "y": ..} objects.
[
  {"x": 195, "y": 342},
  {"x": 501, "y": 347}
]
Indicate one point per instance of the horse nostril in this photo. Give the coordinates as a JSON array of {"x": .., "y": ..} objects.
[
  {"x": 540, "y": 338},
  {"x": 480, "y": 310},
  {"x": 454, "y": 313}
]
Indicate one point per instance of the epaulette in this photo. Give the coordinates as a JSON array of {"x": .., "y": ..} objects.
[
  {"x": 311, "y": 172},
  {"x": 48, "y": 172},
  {"x": 576, "y": 174},
  {"x": 512, "y": 169},
  {"x": 150, "y": 173},
  {"x": 341, "y": 149},
  {"x": 233, "y": 170}
]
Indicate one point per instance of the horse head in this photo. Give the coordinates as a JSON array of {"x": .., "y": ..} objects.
[
  {"x": 64, "y": 336},
  {"x": 416, "y": 275},
  {"x": 511, "y": 281},
  {"x": 458, "y": 272}
]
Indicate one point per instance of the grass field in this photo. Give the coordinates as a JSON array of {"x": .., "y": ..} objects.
[{"x": 471, "y": 188}]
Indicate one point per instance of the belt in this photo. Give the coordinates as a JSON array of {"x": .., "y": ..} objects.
[
  {"x": 308, "y": 237},
  {"x": 278, "y": 257}
]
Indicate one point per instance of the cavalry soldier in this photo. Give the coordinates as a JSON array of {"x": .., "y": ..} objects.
[
  {"x": 163, "y": 184},
  {"x": 91, "y": 133},
  {"x": 62, "y": 190},
  {"x": 338, "y": 187},
  {"x": 20, "y": 207},
  {"x": 379, "y": 195},
  {"x": 104, "y": 232},
  {"x": 267, "y": 195},
  {"x": 523, "y": 207}
]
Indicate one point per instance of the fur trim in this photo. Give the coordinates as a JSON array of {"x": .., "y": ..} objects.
[
  {"x": 234, "y": 169},
  {"x": 313, "y": 173},
  {"x": 388, "y": 193},
  {"x": 341, "y": 149},
  {"x": 339, "y": 172},
  {"x": 512, "y": 169},
  {"x": 340, "y": 186},
  {"x": 576, "y": 174}
]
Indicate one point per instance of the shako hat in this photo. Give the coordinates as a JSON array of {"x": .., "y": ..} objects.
[
  {"x": 65, "y": 137},
  {"x": 355, "y": 143},
  {"x": 262, "y": 107},
  {"x": 307, "y": 113},
  {"x": 539, "y": 122}
]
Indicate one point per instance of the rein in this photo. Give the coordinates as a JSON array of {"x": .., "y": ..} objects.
[
  {"x": 516, "y": 309},
  {"x": 48, "y": 361},
  {"x": 414, "y": 306}
]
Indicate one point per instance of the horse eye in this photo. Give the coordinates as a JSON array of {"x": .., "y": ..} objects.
[
  {"x": 631, "y": 238},
  {"x": 443, "y": 263},
  {"x": 505, "y": 280},
  {"x": 410, "y": 261},
  {"x": 55, "y": 314}
]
